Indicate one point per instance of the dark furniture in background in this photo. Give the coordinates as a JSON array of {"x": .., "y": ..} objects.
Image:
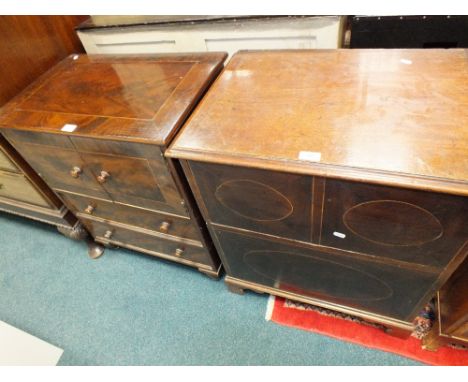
[
  {"x": 96, "y": 129},
  {"x": 451, "y": 325},
  {"x": 336, "y": 178},
  {"x": 409, "y": 32},
  {"x": 30, "y": 45}
]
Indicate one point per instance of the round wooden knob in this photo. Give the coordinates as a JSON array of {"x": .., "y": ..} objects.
[
  {"x": 90, "y": 209},
  {"x": 103, "y": 177},
  {"x": 75, "y": 172},
  {"x": 108, "y": 234},
  {"x": 179, "y": 252},
  {"x": 164, "y": 227}
]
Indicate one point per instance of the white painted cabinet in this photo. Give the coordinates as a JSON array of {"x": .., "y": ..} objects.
[{"x": 229, "y": 35}]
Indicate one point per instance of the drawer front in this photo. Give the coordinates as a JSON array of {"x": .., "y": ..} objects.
[
  {"x": 6, "y": 163},
  {"x": 269, "y": 202},
  {"x": 17, "y": 187},
  {"x": 136, "y": 240},
  {"x": 341, "y": 279},
  {"x": 61, "y": 169},
  {"x": 414, "y": 226},
  {"x": 166, "y": 224}
]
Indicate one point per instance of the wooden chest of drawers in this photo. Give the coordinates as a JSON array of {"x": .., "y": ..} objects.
[
  {"x": 337, "y": 178},
  {"x": 96, "y": 128},
  {"x": 23, "y": 193}
]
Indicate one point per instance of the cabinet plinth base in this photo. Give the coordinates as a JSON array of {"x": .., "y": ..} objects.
[
  {"x": 392, "y": 326},
  {"x": 214, "y": 275}
]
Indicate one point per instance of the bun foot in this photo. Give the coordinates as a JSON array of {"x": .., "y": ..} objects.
[
  {"x": 235, "y": 289},
  {"x": 76, "y": 233},
  {"x": 95, "y": 250}
]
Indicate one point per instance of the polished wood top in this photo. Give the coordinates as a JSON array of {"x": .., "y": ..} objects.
[
  {"x": 141, "y": 98},
  {"x": 396, "y": 117}
]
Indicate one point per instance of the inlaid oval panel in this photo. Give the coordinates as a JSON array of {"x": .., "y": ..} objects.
[
  {"x": 253, "y": 200},
  {"x": 391, "y": 222},
  {"x": 308, "y": 274}
]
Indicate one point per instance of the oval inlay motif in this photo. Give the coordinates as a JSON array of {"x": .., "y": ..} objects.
[
  {"x": 311, "y": 275},
  {"x": 253, "y": 200},
  {"x": 391, "y": 222}
]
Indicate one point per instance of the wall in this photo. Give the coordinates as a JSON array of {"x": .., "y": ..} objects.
[{"x": 30, "y": 45}]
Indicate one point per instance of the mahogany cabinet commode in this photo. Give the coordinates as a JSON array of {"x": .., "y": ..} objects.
[
  {"x": 335, "y": 177},
  {"x": 96, "y": 129}
]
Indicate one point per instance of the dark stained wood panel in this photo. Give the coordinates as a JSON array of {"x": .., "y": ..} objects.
[
  {"x": 31, "y": 45},
  {"x": 345, "y": 280},
  {"x": 272, "y": 203},
  {"x": 395, "y": 117},
  {"x": 413, "y": 226}
]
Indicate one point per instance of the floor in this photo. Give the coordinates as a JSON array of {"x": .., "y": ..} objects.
[{"x": 131, "y": 309}]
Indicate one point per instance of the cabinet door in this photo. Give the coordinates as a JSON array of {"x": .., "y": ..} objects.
[
  {"x": 341, "y": 279},
  {"x": 61, "y": 168},
  {"x": 134, "y": 173},
  {"x": 414, "y": 226},
  {"x": 263, "y": 201},
  {"x": 124, "y": 178}
]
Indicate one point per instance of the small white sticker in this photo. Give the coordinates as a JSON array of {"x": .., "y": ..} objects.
[
  {"x": 69, "y": 128},
  {"x": 406, "y": 61},
  {"x": 339, "y": 234},
  {"x": 311, "y": 156}
]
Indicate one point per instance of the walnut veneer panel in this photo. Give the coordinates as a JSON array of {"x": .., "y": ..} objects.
[
  {"x": 387, "y": 116},
  {"x": 132, "y": 98}
]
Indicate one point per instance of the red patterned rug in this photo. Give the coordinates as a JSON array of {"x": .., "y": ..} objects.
[{"x": 355, "y": 330}]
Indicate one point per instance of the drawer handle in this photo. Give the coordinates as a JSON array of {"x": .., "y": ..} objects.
[
  {"x": 164, "y": 227},
  {"x": 103, "y": 177},
  {"x": 76, "y": 172},
  {"x": 90, "y": 209},
  {"x": 108, "y": 234},
  {"x": 179, "y": 252}
]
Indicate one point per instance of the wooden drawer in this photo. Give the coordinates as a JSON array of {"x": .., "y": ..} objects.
[
  {"x": 171, "y": 249},
  {"x": 6, "y": 163},
  {"x": 268, "y": 202},
  {"x": 337, "y": 278},
  {"x": 17, "y": 187},
  {"x": 167, "y": 224},
  {"x": 413, "y": 226}
]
